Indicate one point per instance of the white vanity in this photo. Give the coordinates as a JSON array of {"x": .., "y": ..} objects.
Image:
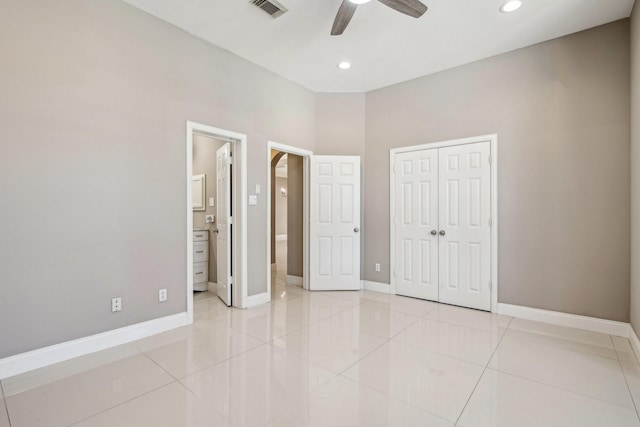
[{"x": 200, "y": 259}]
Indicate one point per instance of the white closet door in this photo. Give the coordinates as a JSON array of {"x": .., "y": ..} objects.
[
  {"x": 465, "y": 233},
  {"x": 223, "y": 222},
  {"x": 416, "y": 224},
  {"x": 334, "y": 223}
]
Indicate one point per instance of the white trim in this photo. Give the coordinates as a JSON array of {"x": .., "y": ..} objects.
[
  {"x": 212, "y": 287},
  {"x": 45, "y": 356},
  {"x": 593, "y": 324},
  {"x": 257, "y": 299},
  {"x": 493, "y": 140},
  {"x": 383, "y": 288},
  {"x": 635, "y": 342},
  {"x": 305, "y": 154},
  {"x": 239, "y": 140},
  {"x": 281, "y": 237},
  {"x": 294, "y": 280}
]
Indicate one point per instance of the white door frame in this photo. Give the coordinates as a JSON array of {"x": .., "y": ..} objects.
[
  {"x": 239, "y": 151},
  {"x": 306, "y": 155},
  {"x": 493, "y": 140}
]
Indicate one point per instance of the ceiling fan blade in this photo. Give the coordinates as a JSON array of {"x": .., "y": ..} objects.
[
  {"x": 408, "y": 7},
  {"x": 345, "y": 13}
]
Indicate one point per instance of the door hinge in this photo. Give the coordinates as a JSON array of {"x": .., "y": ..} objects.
[
  {"x": 394, "y": 272},
  {"x": 229, "y": 160},
  {"x": 230, "y": 220},
  {"x": 489, "y": 158},
  {"x": 394, "y": 168}
]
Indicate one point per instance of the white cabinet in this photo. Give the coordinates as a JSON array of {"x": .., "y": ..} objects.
[{"x": 200, "y": 260}]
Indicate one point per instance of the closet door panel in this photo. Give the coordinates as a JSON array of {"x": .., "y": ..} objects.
[
  {"x": 465, "y": 232},
  {"x": 416, "y": 248}
]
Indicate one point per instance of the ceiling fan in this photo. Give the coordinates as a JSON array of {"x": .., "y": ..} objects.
[{"x": 348, "y": 7}]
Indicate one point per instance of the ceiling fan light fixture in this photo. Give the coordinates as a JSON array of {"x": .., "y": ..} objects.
[
  {"x": 359, "y": 1},
  {"x": 510, "y": 6},
  {"x": 344, "y": 65}
]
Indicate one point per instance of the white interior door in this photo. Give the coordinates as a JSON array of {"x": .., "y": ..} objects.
[
  {"x": 442, "y": 224},
  {"x": 416, "y": 224},
  {"x": 334, "y": 255},
  {"x": 224, "y": 221},
  {"x": 465, "y": 231}
]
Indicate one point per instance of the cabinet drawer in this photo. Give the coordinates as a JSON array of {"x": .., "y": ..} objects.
[
  {"x": 199, "y": 236},
  {"x": 201, "y": 251},
  {"x": 200, "y": 272}
]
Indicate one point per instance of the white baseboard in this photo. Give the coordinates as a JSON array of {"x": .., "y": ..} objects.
[
  {"x": 20, "y": 363},
  {"x": 635, "y": 342},
  {"x": 384, "y": 288},
  {"x": 593, "y": 324},
  {"x": 255, "y": 300},
  {"x": 294, "y": 280},
  {"x": 213, "y": 287},
  {"x": 281, "y": 237}
]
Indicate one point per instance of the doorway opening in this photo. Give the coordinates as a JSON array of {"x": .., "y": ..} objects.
[
  {"x": 287, "y": 219},
  {"x": 216, "y": 215}
]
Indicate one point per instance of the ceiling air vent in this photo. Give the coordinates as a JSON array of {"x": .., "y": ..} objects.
[{"x": 272, "y": 7}]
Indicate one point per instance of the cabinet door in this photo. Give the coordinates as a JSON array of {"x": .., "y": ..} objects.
[{"x": 465, "y": 232}]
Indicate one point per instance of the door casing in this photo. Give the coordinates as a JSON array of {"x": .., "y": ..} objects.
[
  {"x": 306, "y": 155},
  {"x": 493, "y": 140},
  {"x": 239, "y": 179}
]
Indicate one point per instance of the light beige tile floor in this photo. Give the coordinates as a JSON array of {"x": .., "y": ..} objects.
[{"x": 339, "y": 359}]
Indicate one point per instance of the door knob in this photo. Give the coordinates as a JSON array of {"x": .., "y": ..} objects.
[
  {"x": 442, "y": 232},
  {"x": 434, "y": 232},
  {"x": 216, "y": 231},
  {"x": 356, "y": 229}
]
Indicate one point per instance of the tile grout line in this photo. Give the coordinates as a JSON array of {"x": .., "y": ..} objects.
[
  {"x": 483, "y": 372},
  {"x": 390, "y": 397},
  {"x": 624, "y": 375},
  {"x": 4, "y": 400},
  {"x": 564, "y": 389},
  {"x": 122, "y": 403}
]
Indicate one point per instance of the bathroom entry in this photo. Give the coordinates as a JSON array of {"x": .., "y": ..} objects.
[{"x": 212, "y": 220}]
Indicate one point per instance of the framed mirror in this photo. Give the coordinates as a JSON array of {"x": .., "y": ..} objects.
[{"x": 199, "y": 192}]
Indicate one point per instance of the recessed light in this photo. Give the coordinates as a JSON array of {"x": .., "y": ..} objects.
[
  {"x": 510, "y": 6},
  {"x": 344, "y": 65},
  {"x": 359, "y": 1}
]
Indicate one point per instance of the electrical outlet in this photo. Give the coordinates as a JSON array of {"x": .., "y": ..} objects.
[
  {"x": 377, "y": 267},
  {"x": 116, "y": 304},
  {"x": 162, "y": 295}
]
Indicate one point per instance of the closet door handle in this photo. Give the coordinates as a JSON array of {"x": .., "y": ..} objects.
[
  {"x": 442, "y": 232},
  {"x": 434, "y": 232}
]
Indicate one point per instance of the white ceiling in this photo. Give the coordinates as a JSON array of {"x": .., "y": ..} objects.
[{"x": 384, "y": 46}]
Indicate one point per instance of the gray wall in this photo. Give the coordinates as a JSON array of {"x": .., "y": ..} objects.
[
  {"x": 281, "y": 206},
  {"x": 204, "y": 162},
  {"x": 95, "y": 96},
  {"x": 340, "y": 124},
  {"x": 295, "y": 198},
  {"x": 635, "y": 169},
  {"x": 561, "y": 112}
]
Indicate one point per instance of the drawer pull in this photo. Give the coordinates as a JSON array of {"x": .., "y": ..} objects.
[
  {"x": 199, "y": 235},
  {"x": 199, "y": 272},
  {"x": 199, "y": 252}
]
